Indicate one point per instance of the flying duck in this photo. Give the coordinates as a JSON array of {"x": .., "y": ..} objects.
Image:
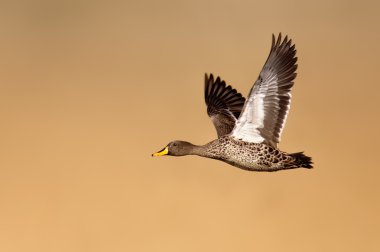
[{"x": 249, "y": 130}]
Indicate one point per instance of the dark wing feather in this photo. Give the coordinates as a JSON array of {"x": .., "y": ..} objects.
[
  {"x": 264, "y": 114},
  {"x": 224, "y": 104}
]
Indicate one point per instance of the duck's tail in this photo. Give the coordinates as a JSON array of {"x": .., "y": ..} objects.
[{"x": 302, "y": 160}]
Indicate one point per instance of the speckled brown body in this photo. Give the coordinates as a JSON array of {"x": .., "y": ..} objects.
[{"x": 249, "y": 156}]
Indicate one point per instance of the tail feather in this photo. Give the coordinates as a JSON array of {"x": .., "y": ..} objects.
[{"x": 302, "y": 160}]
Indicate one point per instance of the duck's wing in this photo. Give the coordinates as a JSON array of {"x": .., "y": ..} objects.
[
  {"x": 265, "y": 111},
  {"x": 224, "y": 104}
]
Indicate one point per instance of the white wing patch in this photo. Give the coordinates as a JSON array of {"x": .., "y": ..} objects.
[{"x": 252, "y": 118}]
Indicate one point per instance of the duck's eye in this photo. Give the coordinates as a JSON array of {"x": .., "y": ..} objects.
[{"x": 174, "y": 144}]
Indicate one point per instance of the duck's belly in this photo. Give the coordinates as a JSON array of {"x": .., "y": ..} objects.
[{"x": 247, "y": 156}]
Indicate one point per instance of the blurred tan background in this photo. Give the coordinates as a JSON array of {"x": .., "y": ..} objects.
[{"x": 89, "y": 89}]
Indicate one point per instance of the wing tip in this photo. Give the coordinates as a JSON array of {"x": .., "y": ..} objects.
[{"x": 281, "y": 42}]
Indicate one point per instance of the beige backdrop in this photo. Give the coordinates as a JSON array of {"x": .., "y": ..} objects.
[{"x": 89, "y": 89}]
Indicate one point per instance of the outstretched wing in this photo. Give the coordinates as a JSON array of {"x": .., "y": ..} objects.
[
  {"x": 265, "y": 111},
  {"x": 224, "y": 104}
]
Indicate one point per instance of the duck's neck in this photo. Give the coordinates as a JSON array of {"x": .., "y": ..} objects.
[{"x": 195, "y": 150}]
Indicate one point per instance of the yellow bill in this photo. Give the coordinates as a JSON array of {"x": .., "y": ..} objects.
[{"x": 162, "y": 152}]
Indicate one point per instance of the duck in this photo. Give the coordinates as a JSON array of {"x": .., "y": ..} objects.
[{"x": 249, "y": 130}]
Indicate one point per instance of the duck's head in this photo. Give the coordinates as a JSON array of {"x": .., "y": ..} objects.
[{"x": 176, "y": 148}]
